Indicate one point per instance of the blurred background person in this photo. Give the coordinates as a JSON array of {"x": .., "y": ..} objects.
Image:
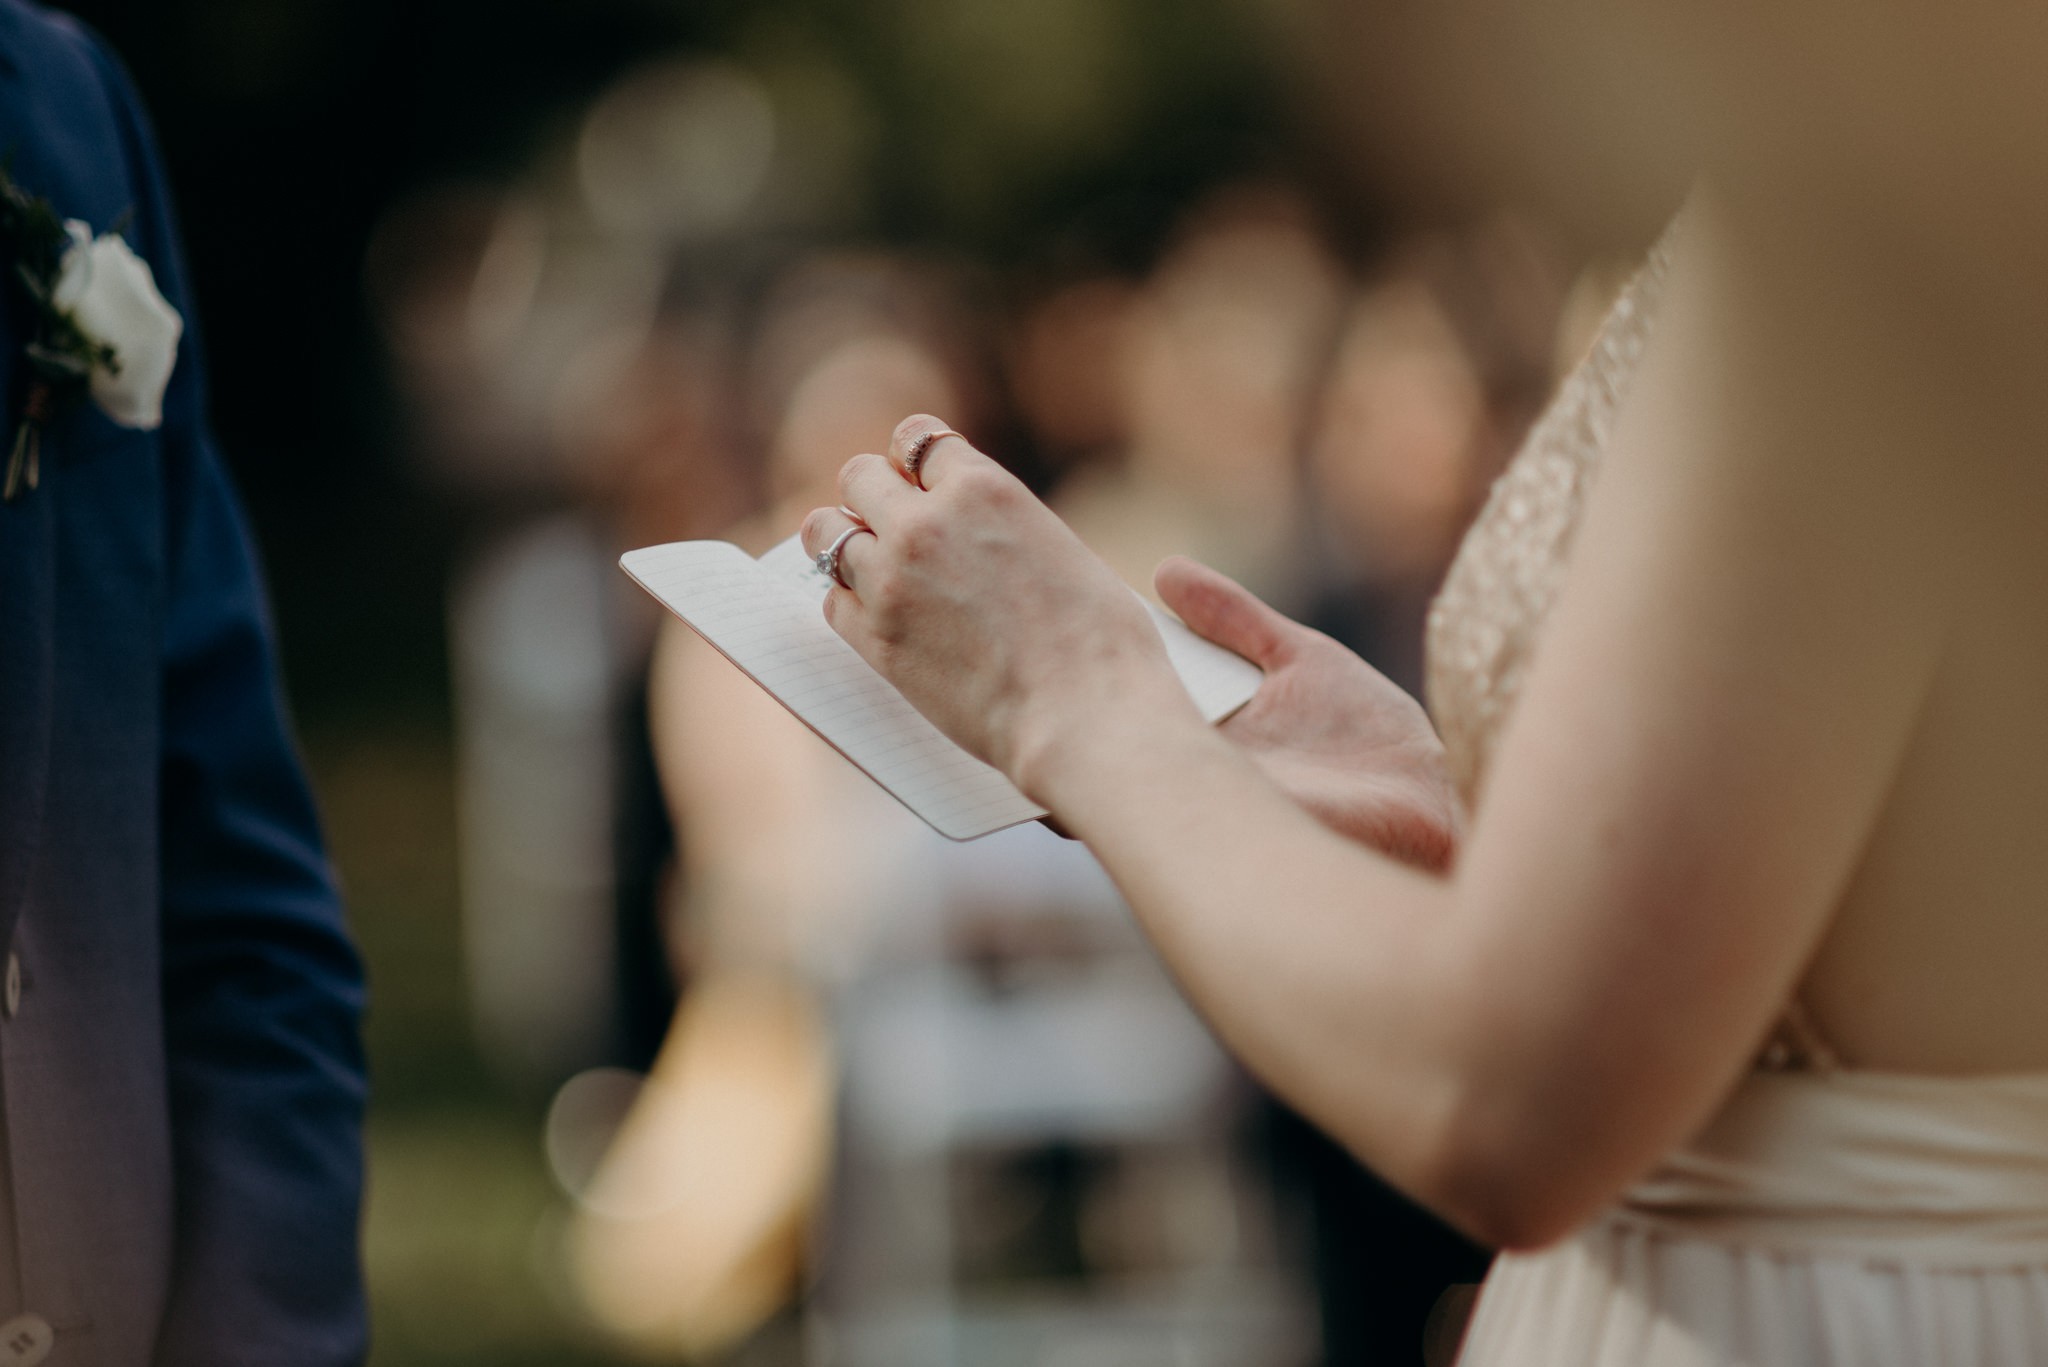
[
  {"x": 1443, "y": 359},
  {"x": 1395, "y": 458},
  {"x": 565, "y": 841},
  {"x": 1067, "y": 361},
  {"x": 693, "y": 1228},
  {"x": 839, "y": 342},
  {"x": 1215, "y": 356}
]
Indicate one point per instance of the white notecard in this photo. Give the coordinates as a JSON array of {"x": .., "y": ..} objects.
[{"x": 764, "y": 616}]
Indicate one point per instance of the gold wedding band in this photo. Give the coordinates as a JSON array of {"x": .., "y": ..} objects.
[{"x": 913, "y": 459}]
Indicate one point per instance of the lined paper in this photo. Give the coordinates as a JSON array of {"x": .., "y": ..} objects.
[{"x": 764, "y": 616}]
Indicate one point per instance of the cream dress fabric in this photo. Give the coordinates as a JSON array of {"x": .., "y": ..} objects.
[{"x": 1827, "y": 1217}]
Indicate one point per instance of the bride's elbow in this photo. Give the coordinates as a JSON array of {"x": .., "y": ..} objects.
[
  {"x": 1512, "y": 1218},
  {"x": 1506, "y": 1184}
]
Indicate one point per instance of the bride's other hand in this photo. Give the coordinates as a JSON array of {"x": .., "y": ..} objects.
[
  {"x": 1336, "y": 735},
  {"x": 978, "y": 603}
]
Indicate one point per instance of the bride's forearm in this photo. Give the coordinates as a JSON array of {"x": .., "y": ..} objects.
[{"x": 1332, "y": 971}]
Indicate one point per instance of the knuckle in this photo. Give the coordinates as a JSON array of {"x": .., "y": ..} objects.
[
  {"x": 974, "y": 490},
  {"x": 855, "y": 469},
  {"x": 889, "y": 592},
  {"x": 911, "y": 427},
  {"x": 883, "y": 606},
  {"x": 890, "y": 632},
  {"x": 918, "y": 537},
  {"x": 985, "y": 488}
]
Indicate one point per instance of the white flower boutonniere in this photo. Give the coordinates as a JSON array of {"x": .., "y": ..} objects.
[
  {"x": 98, "y": 326},
  {"x": 111, "y": 294}
]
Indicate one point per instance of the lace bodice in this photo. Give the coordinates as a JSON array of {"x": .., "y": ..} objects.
[{"x": 1484, "y": 625}]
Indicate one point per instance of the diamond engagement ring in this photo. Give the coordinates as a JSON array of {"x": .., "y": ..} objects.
[
  {"x": 828, "y": 559},
  {"x": 913, "y": 459}
]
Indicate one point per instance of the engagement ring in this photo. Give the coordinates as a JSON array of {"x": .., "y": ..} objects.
[{"x": 828, "y": 559}]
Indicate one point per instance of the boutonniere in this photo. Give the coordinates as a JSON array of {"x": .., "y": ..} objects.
[{"x": 97, "y": 326}]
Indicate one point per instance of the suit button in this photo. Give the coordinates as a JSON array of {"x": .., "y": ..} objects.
[
  {"x": 24, "y": 1340},
  {"x": 10, "y": 1002}
]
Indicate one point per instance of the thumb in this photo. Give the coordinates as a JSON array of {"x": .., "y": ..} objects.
[{"x": 1220, "y": 609}]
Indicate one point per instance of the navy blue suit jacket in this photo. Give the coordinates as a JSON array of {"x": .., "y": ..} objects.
[{"x": 181, "y": 1080}]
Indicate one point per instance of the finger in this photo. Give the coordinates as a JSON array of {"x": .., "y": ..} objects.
[
  {"x": 1220, "y": 609},
  {"x": 820, "y": 526},
  {"x": 872, "y": 489},
  {"x": 825, "y": 527},
  {"x": 1052, "y": 823},
  {"x": 945, "y": 450}
]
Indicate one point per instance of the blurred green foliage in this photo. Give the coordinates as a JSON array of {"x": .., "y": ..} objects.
[
  {"x": 458, "y": 1193},
  {"x": 1003, "y": 126}
]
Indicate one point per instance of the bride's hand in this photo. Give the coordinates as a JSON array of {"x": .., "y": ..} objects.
[
  {"x": 984, "y": 609},
  {"x": 1334, "y": 733}
]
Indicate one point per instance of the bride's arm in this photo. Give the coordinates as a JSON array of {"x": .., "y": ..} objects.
[{"x": 1724, "y": 690}]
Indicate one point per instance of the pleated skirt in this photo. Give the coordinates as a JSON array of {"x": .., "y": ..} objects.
[{"x": 1838, "y": 1220}]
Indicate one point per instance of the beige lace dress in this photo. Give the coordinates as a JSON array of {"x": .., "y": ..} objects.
[{"x": 1827, "y": 1215}]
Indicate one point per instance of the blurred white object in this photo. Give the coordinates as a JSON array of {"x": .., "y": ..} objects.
[
  {"x": 1007, "y": 1025},
  {"x": 536, "y": 688},
  {"x": 1100, "y": 1057}
]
